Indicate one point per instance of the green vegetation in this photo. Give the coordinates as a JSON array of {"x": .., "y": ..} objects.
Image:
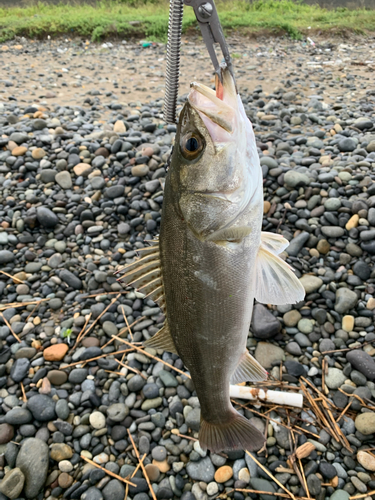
[{"x": 149, "y": 19}]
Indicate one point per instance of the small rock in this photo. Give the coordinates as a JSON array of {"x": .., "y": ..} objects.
[
  {"x": 223, "y": 474},
  {"x": 335, "y": 378},
  {"x": 55, "y": 352},
  {"x": 119, "y": 127},
  {"x": 61, "y": 451},
  {"x": 267, "y": 354},
  {"x": 311, "y": 283},
  {"x": 12, "y": 483},
  {"x": 83, "y": 169},
  {"x": 64, "y": 180},
  {"x": 203, "y": 470},
  {"x": 366, "y": 460},
  {"x": 6, "y": 433},
  {"x": 97, "y": 420},
  {"x": 264, "y": 324},
  {"x": 348, "y": 323},
  {"x": 345, "y": 300},
  {"x": 365, "y": 423}
]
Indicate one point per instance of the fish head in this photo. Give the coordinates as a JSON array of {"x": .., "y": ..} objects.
[{"x": 215, "y": 170}]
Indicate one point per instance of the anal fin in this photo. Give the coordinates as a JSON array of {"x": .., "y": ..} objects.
[
  {"x": 248, "y": 370},
  {"x": 162, "y": 340}
]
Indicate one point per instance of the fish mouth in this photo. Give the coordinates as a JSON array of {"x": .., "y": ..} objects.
[{"x": 217, "y": 109}]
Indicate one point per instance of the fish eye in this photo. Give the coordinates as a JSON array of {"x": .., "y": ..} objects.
[{"x": 191, "y": 145}]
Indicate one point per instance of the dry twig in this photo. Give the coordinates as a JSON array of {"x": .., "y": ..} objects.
[
  {"x": 10, "y": 328},
  {"x": 143, "y": 467},
  {"x": 81, "y": 334},
  {"x": 108, "y": 472},
  {"x": 10, "y": 276},
  {"x": 271, "y": 476}
]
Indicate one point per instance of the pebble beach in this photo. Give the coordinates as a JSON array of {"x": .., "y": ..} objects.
[{"x": 85, "y": 411}]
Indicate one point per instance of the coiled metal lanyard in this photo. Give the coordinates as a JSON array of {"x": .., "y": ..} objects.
[{"x": 208, "y": 20}]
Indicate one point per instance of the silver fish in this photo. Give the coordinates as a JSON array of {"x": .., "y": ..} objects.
[{"x": 212, "y": 259}]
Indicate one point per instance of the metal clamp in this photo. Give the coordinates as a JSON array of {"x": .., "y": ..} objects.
[{"x": 208, "y": 20}]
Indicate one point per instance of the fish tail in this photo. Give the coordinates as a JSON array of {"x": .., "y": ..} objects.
[{"x": 233, "y": 434}]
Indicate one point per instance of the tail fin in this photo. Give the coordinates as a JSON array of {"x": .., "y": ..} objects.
[{"x": 236, "y": 433}]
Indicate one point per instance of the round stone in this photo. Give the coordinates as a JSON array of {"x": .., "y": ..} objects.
[
  {"x": 65, "y": 480},
  {"x": 65, "y": 466},
  {"x": 223, "y": 474},
  {"x": 366, "y": 460},
  {"x": 153, "y": 472},
  {"x": 97, "y": 420},
  {"x": 305, "y": 326}
]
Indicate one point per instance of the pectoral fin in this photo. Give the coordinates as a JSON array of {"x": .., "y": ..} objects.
[
  {"x": 162, "y": 340},
  {"x": 275, "y": 282},
  {"x": 248, "y": 370},
  {"x": 273, "y": 242}
]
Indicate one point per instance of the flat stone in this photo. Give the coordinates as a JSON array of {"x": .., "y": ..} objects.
[
  {"x": 348, "y": 323},
  {"x": 55, "y": 352},
  {"x": 202, "y": 470},
  {"x": 6, "y": 433},
  {"x": 263, "y": 485},
  {"x": 20, "y": 369},
  {"x": 60, "y": 451},
  {"x": 65, "y": 480},
  {"x": 6, "y": 257},
  {"x": 119, "y": 127},
  {"x": 114, "y": 490},
  {"x": 362, "y": 362},
  {"x": 18, "y": 416},
  {"x": 292, "y": 317},
  {"x": 311, "y": 283},
  {"x": 140, "y": 170},
  {"x": 333, "y": 231},
  {"x": 346, "y": 299},
  {"x": 57, "y": 377},
  {"x": 267, "y": 354},
  {"x": 117, "y": 412},
  {"x": 153, "y": 472},
  {"x": 339, "y": 495},
  {"x": 64, "y": 179},
  {"x": 33, "y": 460},
  {"x": 12, "y": 483},
  {"x": 293, "y": 179},
  {"x": 83, "y": 169},
  {"x": 70, "y": 279}
]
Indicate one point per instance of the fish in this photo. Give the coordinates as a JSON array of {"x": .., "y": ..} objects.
[{"x": 211, "y": 259}]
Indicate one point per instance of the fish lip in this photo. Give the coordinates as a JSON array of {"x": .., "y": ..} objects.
[{"x": 222, "y": 114}]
